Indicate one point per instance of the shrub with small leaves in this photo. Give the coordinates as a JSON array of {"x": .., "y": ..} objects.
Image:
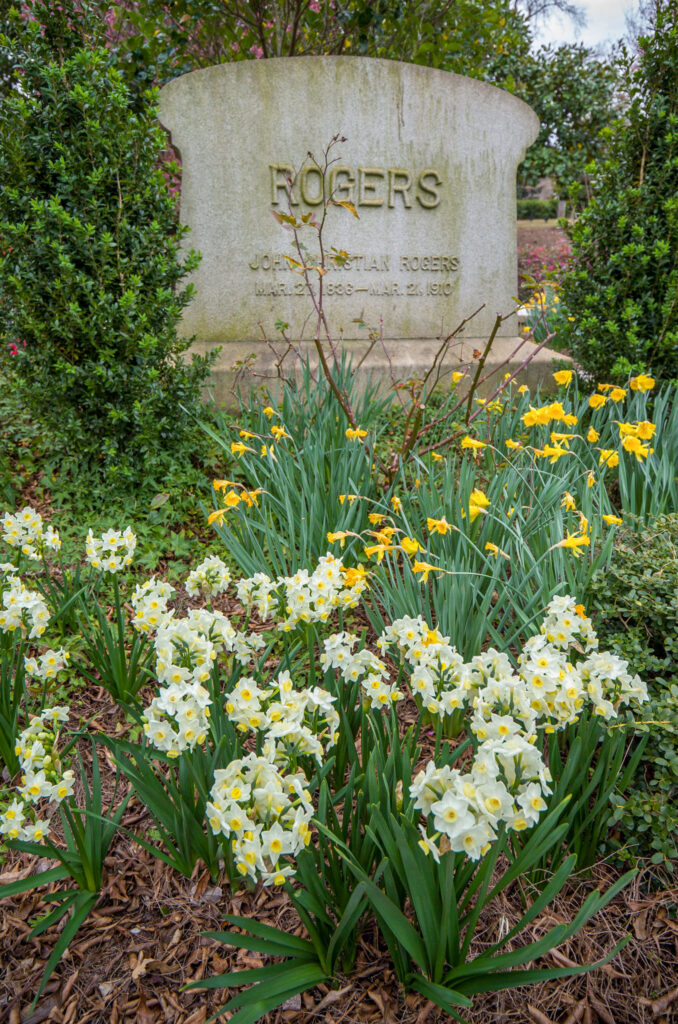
[
  {"x": 90, "y": 263},
  {"x": 620, "y": 295},
  {"x": 636, "y": 615}
]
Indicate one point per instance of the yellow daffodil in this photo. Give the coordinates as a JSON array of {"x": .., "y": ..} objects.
[
  {"x": 384, "y": 535},
  {"x": 250, "y": 498},
  {"x": 409, "y": 545},
  {"x": 605, "y": 388},
  {"x": 636, "y": 447},
  {"x": 513, "y": 445},
  {"x": 552, "y": 452},
  {"x": 355, "y": 434},
  {"x": 340, "y": 536},
  {"x": 568, "y": 502},
  {"x": 574, "y": 541},
  {"x": 376, "y": 517},
  {"x": 472, "y": 444},
  {"x": 223, "y": 485},
  {"x": 522, "y": 389},
  {"x": 642, "y": 382},
  {"x": 570, "y": 420},
  {"x": 612, "y": 520},
  {"x": 216, "y": 517},
  {"x": 592, "y": 435},
  {"x": 377, "y": 550},
  {"x": 436, "y": 457},
  {"x": 495, "y": 550},
  {"x": 617, "y": 394},
  {"x": 350, "y": 498},
  {"x": 246, "y": 434},
  {"x": 563, "y": 377},
  {"x": 279, "y": 432},
  {"x": 396, "y": 504},
  {"x": 353, "y": 576},
  {"x": 608, "y": 457},
  {"x": 457, "y": 375},
  {"x": 231, "y": 499},
  {"x": 557, "y": 438},
  {"x": 238, "y": 448},
  {"x": 269, "y": 411},
  {"x": 424, "y": 568},
  {"x": 478, "y": 504},
  {"x": 597, "y": 401},
  {"x": 645, "y": 430},
  {"x": 438, "y": 525},
  {"x": 590, "y": 478}
]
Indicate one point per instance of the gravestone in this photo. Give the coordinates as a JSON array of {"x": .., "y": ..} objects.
[{"x": 429, "y": 163}]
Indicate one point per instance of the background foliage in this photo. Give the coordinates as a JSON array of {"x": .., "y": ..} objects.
[
  {"x": 90, "y": 264},
  {"x": 621, "y": 293}
]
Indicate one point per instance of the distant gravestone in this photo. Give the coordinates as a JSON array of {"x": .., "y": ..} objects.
[{"x": 429, "y": 163}]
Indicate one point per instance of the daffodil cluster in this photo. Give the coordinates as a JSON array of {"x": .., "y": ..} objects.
[
  {"x": 23, "y": 610},
  {"x": 338, "y": 653},
  {"x": 43, "y": 782},
  {"x": 25, "y": 530},
  {"x": 149, "y": 602},
  {"x": 560, "y": 671},
  {"x": 48, "y": 665},
  {"x": 112, "y": 552},
  {"x": 209, "y": 578},
  {"x": 297, "y": 721},
  {"x": 264, "y": 812}
]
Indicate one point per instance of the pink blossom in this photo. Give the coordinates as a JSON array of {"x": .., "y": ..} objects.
[{"x": 257, "y": 51}]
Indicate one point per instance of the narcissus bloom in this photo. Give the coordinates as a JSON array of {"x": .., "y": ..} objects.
[
  {"x": 355, "y": 434},
  {"x": 279, "y": 432},
  {"x": 612, "y": 520},
  {"x": 438, "y": 525},
  {"x": 513, "y": 445},
  {"x": 238, "y": 448},
  {"x": 568, "y": 502},
  {"x": 409, "y": 545},
  {"x": 478, "y": 503},
  {"x": 645, "y": 430},
  {"x": 340, "y": 536},
  {"x": 470, "y": 442},
  {"x": 563, "y": 377},
  {"x": 643, "y": 382},
  {"x": 617, "y": 394},
  {"x": 424, "y": 568},
  {"x": 592, "y": 435},
  {"x": 597, "y": 401},
  {"x": 636, "y": 447},
  {"x": 608, "y": 457},
  {"x": 574, "y": 541}
]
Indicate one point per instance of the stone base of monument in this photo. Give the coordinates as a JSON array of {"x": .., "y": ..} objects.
[{"x": 247, "y": 365}]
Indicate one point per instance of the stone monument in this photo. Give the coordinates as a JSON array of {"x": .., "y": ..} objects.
[{"x": 428, "y": 162}]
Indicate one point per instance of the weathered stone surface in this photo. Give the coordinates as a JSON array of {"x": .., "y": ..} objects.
[{"x": 429, "y": 162}]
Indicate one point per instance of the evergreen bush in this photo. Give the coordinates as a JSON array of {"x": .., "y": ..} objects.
[
  {"x": 622, "y": 292},
  {"x": 634, "y": 606},
  {"x": 90, "y": 268}
]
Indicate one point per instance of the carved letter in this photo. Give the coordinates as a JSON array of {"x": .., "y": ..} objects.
[
  {"x": 431, "y": 194},
  {"x": 306, "y": 194},
  {"x": 365, "y": 186},
  {"x": 279, "y": 175},
  {"x": 402, "y": 186},
  {"x": 342, "y": 191}
]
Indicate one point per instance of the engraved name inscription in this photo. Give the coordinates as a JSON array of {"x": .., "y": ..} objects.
[{"x": 363, "y": 186}]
